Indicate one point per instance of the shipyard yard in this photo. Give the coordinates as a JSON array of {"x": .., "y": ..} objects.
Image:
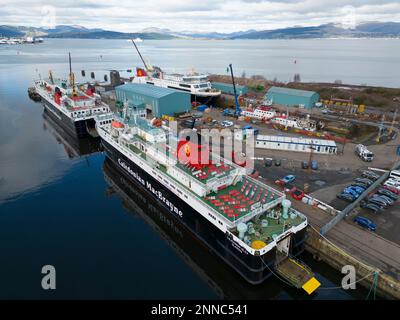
[{"x": 216, "y": 225}]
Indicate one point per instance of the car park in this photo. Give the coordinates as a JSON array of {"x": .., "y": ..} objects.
[{"x": 365, "y": 223}]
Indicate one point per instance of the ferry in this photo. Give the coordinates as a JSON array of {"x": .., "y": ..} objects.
[
  {"x": 73, "y": 108},
  {"x": 198, "y": 85},
  {"x": 222, "y": 279},
  {"x": 249, "y": 225}
]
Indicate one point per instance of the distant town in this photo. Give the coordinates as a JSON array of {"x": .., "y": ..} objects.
[{"x": 23, "y": 40}]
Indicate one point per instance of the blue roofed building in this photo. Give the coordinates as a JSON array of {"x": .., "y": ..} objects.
[
  {"x": 292, "y": 97},
  {"x": 160, "y": 101}
]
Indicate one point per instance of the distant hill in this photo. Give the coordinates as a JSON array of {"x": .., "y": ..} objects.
[
  {"x": 364, "y": 30},
  {"x": 7, "y": 31},
  {"x": 78, "y": 32}
]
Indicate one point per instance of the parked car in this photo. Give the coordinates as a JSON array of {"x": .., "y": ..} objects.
[
  {"x": 380, "y": 203},
  {"x": 357, "y": 189},
  {"x": 364, "y": 180},
  {"x": 365, "y": 223},
  {"x": 392, "y": 184},
  {"x": 359, "y": 184},
  {"x": 388, "y": 193},
  {"x": 391, "y": 189},
  {"x": 227, "y": 123},
  {"x": 386, "y": 199},
  {"x": 346, "y": 197},
  {"x": 370, "y": 175},
  {"x": 297, "y": 194},
  {"x": 304, "y": 164},
  {"x": 352, "y": 191},
  {"x": 268, "y": 162},
  {"x": 277, "y": 162},
  {"x": 289, "y": 178},
  {"x": 372, "y": 207},
  {"x": 314, "y": 165}
]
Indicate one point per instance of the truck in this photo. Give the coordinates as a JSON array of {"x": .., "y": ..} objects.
[{"x": 363, "y": 152}]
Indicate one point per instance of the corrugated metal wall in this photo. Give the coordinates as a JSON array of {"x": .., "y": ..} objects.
[
  {"x": 168, "y": 104},
  {"x": 228, "y": 88},
  {"x": 291, "y": 99}
]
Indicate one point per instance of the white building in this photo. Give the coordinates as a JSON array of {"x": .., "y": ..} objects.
[{"x": 296, "y": 144}]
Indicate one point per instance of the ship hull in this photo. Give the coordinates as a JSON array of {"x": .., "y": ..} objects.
[
  {"x": 77, "y": 129},
  {"x": 254, "y": 269}
]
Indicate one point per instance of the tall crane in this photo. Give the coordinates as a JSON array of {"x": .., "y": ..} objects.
[
  {"x": 140, "y": 55},
  {"x": 238, "y": 111},
  {"x": 71, "y": 76}
]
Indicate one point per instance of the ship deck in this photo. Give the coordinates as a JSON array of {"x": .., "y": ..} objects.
[
  {"x": 273, "y": 226},
  {"x": 206, "y": 173},
  {"x": 237, "y": 201}
]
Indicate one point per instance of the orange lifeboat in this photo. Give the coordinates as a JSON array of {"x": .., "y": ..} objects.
[{"x": 117, "y": 125}]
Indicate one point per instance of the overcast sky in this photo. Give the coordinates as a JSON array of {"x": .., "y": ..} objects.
[{"x": 201, "y": 15}]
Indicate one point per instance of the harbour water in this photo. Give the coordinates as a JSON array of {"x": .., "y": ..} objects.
[{"x": 77, "y": 214}]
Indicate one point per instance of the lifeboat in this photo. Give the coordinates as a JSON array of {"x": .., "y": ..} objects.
[{"x": 117, "y": 125}]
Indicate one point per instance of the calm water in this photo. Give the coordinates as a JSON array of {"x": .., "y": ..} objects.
[{"x": 58, "y": 208}]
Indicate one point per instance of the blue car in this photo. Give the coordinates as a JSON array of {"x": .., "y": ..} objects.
[
  {"x": 357, "y": 189},
  {"x": 289, "y": 178},
  {"x": 365, "y": 223},
  {"x": 314, "y": 165},
  {"x": 351, "y": 191}
]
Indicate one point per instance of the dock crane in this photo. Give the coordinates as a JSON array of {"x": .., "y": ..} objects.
[
  {"x": 72, "y": 77},
  {"x": 238, "y": 111}
]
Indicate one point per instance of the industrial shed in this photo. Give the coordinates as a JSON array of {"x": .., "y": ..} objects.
[
  {"x": 228, "y": 88},
  {"x": 160, "y": 101},
  {"x": 296, "y": 144},
  {"x": 292, "y": 97}
]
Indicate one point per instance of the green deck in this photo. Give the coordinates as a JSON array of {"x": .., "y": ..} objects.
[
  {"x": 275, "y": 227},
  {"x": 232, "y": 202}
]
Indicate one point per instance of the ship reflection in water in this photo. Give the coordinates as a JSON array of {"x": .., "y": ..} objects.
[{"x": 74, "y": 148}]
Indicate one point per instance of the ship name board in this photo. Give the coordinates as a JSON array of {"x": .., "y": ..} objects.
[{"x": 149, "y": 186}]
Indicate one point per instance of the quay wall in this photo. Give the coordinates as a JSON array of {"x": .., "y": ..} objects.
[{"x": 321, "y": 249}]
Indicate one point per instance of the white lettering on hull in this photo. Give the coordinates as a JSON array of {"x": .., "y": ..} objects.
[{"x": 150, "y": 187}]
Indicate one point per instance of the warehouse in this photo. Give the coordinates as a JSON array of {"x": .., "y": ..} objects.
[
  {"x": 160, "y": 101},
  {"x": 296, "y": 144},
  {"x": 292, "y": 97},
  {"x": 228, "y": 88}
]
